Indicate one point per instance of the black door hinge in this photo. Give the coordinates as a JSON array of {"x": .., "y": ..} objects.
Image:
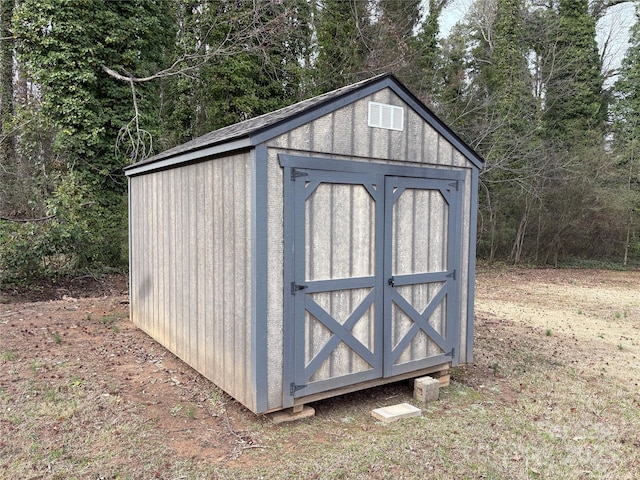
[
  {"x": 296, "y": 288},
  {"x": 294, "y": 388},
  {"x": 452, "y": 275},
  {"x": 452, "y": 354},
  {"x": 295, "y": 173}
]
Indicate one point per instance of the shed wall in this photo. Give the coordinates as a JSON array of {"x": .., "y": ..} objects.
[
  {"x": 191, "y": 266},
  {"x": 344, "y": 134}
]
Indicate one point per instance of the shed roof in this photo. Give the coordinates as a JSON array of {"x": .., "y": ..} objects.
[{"x": 260, "y": 129}]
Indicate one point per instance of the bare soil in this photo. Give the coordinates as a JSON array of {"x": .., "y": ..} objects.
[
  {"x": 86, "y": 394},
  {"x": 594, "y": 310},
  {"x": 88, "y": 343}
]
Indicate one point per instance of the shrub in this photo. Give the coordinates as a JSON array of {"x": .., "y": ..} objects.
[{"x": 77, "y": 232}]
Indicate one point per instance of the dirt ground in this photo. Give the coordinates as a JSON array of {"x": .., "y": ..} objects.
[
  {"x": 76, "y": 340},
  {"x": 72, "y": 343},
  {"x": 594, "y": 309}
]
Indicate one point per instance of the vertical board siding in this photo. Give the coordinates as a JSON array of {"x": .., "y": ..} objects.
[
  {"x": 468, "y": 243},
  {"x": 201, "y": 262},
  {"x": 342, "y": 140},
  {"x": 419, "y": 245},
  {"x": 361, "y": 131},
  {"x": 275, "y": 286},
  {"x": 191, "y": 266},
  {"x": 207, "y": 263},
  {"x": 379, "y": 138},
  {"x": 323, "y": 133}
]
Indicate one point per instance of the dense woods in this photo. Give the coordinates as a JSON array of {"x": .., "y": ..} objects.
[{"x": 88, "y": 86}]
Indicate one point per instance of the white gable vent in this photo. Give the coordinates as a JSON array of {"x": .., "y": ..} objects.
[{"x": 386, "y": 116}]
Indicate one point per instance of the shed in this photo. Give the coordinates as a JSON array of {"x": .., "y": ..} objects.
[{"x": 322, "y": 248}]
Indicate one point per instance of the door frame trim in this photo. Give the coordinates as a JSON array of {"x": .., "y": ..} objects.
[{"x": 386, "y": 169}]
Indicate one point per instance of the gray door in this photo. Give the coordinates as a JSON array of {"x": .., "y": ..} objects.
[
  {"x": 422, "y": 259},
  {"x": 374, "y": 276},
  {"x": 337, "y": 279}
]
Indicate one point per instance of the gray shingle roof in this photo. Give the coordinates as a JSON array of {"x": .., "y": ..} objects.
[
  {"x": 257, "y": 124},
  {"x": 259, "y": 129}
]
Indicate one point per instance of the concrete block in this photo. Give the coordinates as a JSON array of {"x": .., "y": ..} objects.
[
  {"x": 426, "y": 389},
  {"x": 443, "y": 376},
  {"x": 291, "y": 415},
  {"x": 444, "y": 380},
  {"x": 396, "y": 412}
]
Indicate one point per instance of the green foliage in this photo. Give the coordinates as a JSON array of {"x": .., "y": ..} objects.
[
  {"x": 528, "y": 93},
  {"x": 430, "y": 69},
  {"x": 70, "y": 172},
  {"x": 342, "y": 33},
  {"x": 72, "y": 237},
  {"x": 451, "y": 83},
  {"x": 243, "y": 81},
  {"x": 521, "y": 83},
  {"x": 576, "y": 109},
  {"x": 64, "y": 48},
  {"x": 626, "y": 131},
  {"x": 626, "y": 107},
  {"x": 393, "y": 43},
  {"x": 511, "y": 77}
]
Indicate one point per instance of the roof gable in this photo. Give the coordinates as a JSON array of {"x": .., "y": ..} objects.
[{"x": 260, "y": 129}]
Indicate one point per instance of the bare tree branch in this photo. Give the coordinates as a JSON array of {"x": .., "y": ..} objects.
[
  {"x": 249, "y": 33},
  {"x": 27, "y": 220}
]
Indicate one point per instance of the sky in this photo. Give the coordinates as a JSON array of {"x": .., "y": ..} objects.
[{"x": 614, "y": 25}]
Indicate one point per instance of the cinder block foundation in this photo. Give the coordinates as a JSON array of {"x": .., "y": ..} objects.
[
  {"x": 443, "y": 377},
  {"x": 444, "y": 380},
  {"x": 426, "y": 389}
]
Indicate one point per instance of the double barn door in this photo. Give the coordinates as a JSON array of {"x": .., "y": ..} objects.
[{"x": 373, "y": 273}]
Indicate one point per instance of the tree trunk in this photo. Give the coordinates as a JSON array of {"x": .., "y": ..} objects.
[
  {"x": 516, "y": 250},
  {"x": 627, "y": 242}
]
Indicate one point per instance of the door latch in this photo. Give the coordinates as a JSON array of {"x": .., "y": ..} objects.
[
  {"x": 391, "y": 282},
  {"x": 296, "y": 288}
]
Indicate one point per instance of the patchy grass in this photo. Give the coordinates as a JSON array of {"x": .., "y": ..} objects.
[{"x": 533, "y": 405}]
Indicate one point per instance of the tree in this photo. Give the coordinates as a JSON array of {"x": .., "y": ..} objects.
[
  {"x": 530, "y": 99},
  {"x": 514, "y": 153},
  {"x": 62, "y": 49},
  {"x": 392, "y": 37},
  {"x": 8, "y": 170},
  {"x": 257, "y": 73},
  {"x": 574, "y": 114},
  {"x": 574, "y": 101},
  {"x": 342, "y": 30},
  {"x": 232, "y": 60},
  {"x": 450, "y": 90},
  {"x": 626, "y": 140},
  {"x": 424, "y": 71},
  {"x": 501, "y": 121}
]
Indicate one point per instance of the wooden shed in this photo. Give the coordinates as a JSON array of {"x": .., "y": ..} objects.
[{"x": 325, "y": 247}]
